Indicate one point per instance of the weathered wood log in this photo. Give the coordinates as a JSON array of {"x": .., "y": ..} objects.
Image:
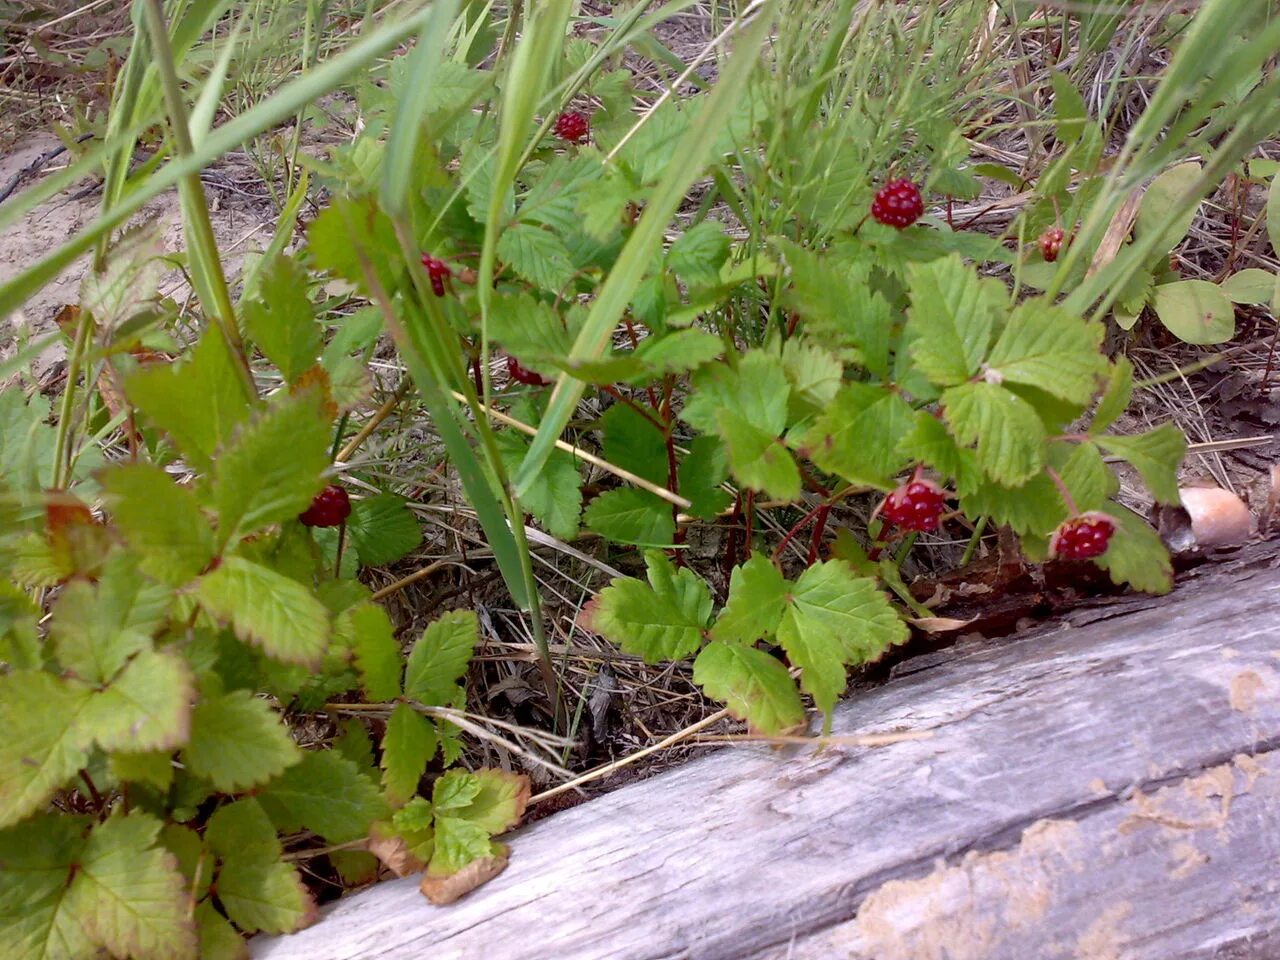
[{"x": 1106, "y": 787}]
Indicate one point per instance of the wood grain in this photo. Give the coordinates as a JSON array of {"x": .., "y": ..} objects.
[{"x": 1105, "y": 788}]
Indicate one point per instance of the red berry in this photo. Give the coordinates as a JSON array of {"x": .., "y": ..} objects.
[
  {"x": 573, "y": 126},
  {"x": 437, "y": 272},
  {"x": 916, "y": 505},
  {"x": 523, "y": 375},
  {"x": 1082, "y": 537},
  {"x": 1051, "y": 243},
  {"x": 330, "y": 507},
  {"x": 898, "y": 204}
]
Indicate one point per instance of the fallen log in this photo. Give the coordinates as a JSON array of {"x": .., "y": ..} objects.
[{"x": 1103, "y": 787}]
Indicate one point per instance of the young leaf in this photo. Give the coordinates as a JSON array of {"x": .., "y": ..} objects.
[
  {"x": 555, "y": 499},
  {"x": 951, "y": 318},
  {"x": 407, "y": 746},
  {"x": 500, "y": 802},
  {"x": 757, "y": 598},
  {"x": 439, "y": 658},
  {"x": 238, "y": 741},
  {"x": 754, "y": 686},
  {"x": 325, "y": 793},
  {"x": 457, "y": 842},
  {"x": 383, "y": 529},
  {"x": 160, "y": 520},
  {"x": 628, "y": 515},
  {"x": 281, "y": 320},
  {"x": 1008, "y": 432},
  {"x": 858, "y": 435},
  {"x": 1156, "y": 455},
  {"x": 661, "y": 620},
  {"x": 1136, "y": 555},
  {"x": 815, "y": 374},
  {"x": 699, "y": 253},
  {"x": 44, "y": 743},
  {"x": 377, "y": 652},
  {"x": 266, "y": 609},
  {"x": 1046, "y": 347}
]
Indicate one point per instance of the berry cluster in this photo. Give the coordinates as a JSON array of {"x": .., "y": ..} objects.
[
  {"x": 524, "y": 375},
  {"x": 1082, "y": 537},
  {"x": 916, "y": 505},
  {"x": 437, "y": 272},
  {"x": 573, "y": 127},
  {"x": 1051, "y": 243},
  {"x": 898, "y": 204},
  {"x": 330, "y": 508}
]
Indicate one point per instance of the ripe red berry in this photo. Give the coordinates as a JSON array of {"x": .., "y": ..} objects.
[
  {"x": 1051, "y": 243},
  {"x": 330, "y": 507},
  {"x": 898, "y": 204},
  {"x": 437, "y": 272},
  {"x": 1082, "y": 537},
  {"x": 523, "y": 375},
  {"x": 916, "y": 505},
  {"x": 573, "y": 127}
]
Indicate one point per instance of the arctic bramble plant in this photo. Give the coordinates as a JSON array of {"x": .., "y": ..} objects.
[
  {"x": 330, "y": 508},
  {"x": 1083, "y": 538},
  {"x": 573, "y": 126},
  {"x": 1051, "y": 243},
  {"x": 898, "y": 204},
  {"x": 915, "y": 505},
  {"x": 438, "y": 273}
]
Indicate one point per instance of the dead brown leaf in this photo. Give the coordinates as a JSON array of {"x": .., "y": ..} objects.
[{"x": 447, "y": 889}]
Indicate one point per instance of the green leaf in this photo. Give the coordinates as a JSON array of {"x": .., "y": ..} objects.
[
  {"x": 242, "y": 830},
  {"x": 199, "y": 402},
  {"x": 677, "y": 352},
  {"x": 160, "y": 520},
  {"x": 407, "y": 746},
  {"x": 858, "y": 435},
  {"x": 699, "y": 253},
  {"x": 440, "y": 657},
  {"x": 351, "y": 231},
  {"x": 629, "y": 515},
  {"x": 44, "y": 743},
  {"x": 153, "y": 767},
  {"x": 219, "y": 940},
  {"x": 457, "y": 843},
  {"x": 1156, "y": 455},
  {"x": 555, "y": 500},
  {"x": 1046, "y": 347},
  {"x": 238, "y": 741},
  {"x": 454, "y": 791},
  {"x": 758, "y": 458},
  {"x": 1009, "y": 435},
  {"x": 37, "y": 918},
  {"x": 815, "y": 374},
  {"x": 1088, "y": 478},
  {"x": 272, "y": 469},
  {"x": 1068, "y": 107},
  {"x": 756, "y": 391},
  {"x": 1195, "y": 311},
  {"x": 1252, "y": 286},
  {"x": 377, "y": 652},
  {"x": 130, "y": 278},
  {"x": 266, "y": 609},
  {"x": 928, "y": 442},
  {"x": 1165, "y": 193},
  {"x": 757, "y": 597},
  {"x": 951, "y": 319},
  {"x": 500, "y": 801},
  {"x": 327, "y": 794},
  {"x": 634, "y": 442},
  {"x": 530, "y": 329},
  {"x": 147, "y": 707},
  {"x": 537, "y": 255},
  {"x": 1273, "y": 213},
  {"x": 267, "y": 897},
  {"x": 700, "y": 475},
  {"x": 383, "y": 529},
  {"x": 1115, "y": 399},
  {"x": 818, "y": 655},
  {"x": 831, "y": 600},
  {"x": 752, "y": 685},
  {"x": 1034, "y": 507},
  {"x": 661, "y": 620},
  {"x": 281, "y": 319},
  {"x": 1136, "y": 555}
]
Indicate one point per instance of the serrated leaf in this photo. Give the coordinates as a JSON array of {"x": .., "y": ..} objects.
[
  {"x": 818, "y": 655},
  {"x": 500, "y": 801},
  {"x": 858, "y": 435},
  {"x": 1006, "y": 429},
  {"x": 44, "y": 743},
  {"x": 851, "y": 610},
  {"x": 757, "y": 598},
  {"x": 266, "y": 609},
  {"x": 242, "y": 830},
  {"x": 1088, "y": 478},
  {"x": 218, "y": 939},
  {"x": 752, "y": 685},
  {"x": 153, "y": 767},
  {"x": 1195, "y": 311},
  {"x": 130, "y": 277},
  {"x": 160, "y": 520},
  {"x": 700, "y": 475},
  {"x": 238, "y": 741},
  {"x": 677, "y": 352},
  {"x": 815, "y": 374},
  {"x": 553, "y": 199},
  {"x": 1116, "y": 397},
  {"x": 951, "y": 319},
  {"x": 457, "y": 843},
  {"x": 928, "y": 442},
  {"x": 454, "y": 791},
  {"x": 757, "y": 458},
  {"x": 267, "y": 897},
  {"x": 383, "y": 529},
  {"x": 407, "y": 746},
  {"x": 555, "y": 500},
  {"x": 628, "y": 515},
  {"x": 147, "y": 707},
  {"x": 199, "y": 402},
  {"x": 440, "y": 657},
  {"x": 325, "y": 793},
  {"x": 352, "y": 232},
  {"x": 757, "y": 392},
  {"x": 635, "y": 443},
  {"x": 37, "y": 920},
  {"x": 281, "y": 319},
  {"x": 663, "y": 619},
  {"x": 272, "y": 469},
  {"x": 377, "y": 652},
  {"x": 530, "y": 329},
  {"x": 1156, "y": 455},
  {"x": 699, "y": 253},
  {"x": 1046, "y": 347},
  {"x": 1034, "y": 507},
  {"x": 537, "y": 255},
  {"x": 1136, "y": 555}
]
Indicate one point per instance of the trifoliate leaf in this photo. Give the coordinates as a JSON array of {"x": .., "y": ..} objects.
[
  {"x": 929, "y": 443},
  {"x": 267, "y": 610},
  {"x": 199, "y": 402},
  {"x": 454, "y": 791},
  {"x": 850, "y": 610},
  {"x": 817, "y": 653},
  {"x": 756, "y": 392},
  {"x": 267, "y": 897},
  {"x": 1009, "y": 435},
  {"x": 161, "y": 521},
  {"x": 325, "y": 793},
  {"x": 757, "y": 598},
  {"x": 699, "y": 253},
  {"x": 439, "y": 658},
  {"x": 272, "y": 468},
  {"x": 1115, "y": 399},
  {"x": 44, "y": 742},
  {"x": 1136, "y": 555},
  {"x": 555, "y": 498},
  {"x": 383, "y": 529},
  {"x": 1156, "y": 455},
  {"x": 377, "y": 652},
  {"x": 537, "y": 255},
  {"x": 752, "y": 685},
  {"x": 629, "y": 515},
  {"x": 37, "y": 918},
  {"x": 530, "y": 329},
  {"x": 407, "y": 746},
  {"x": 1035, "y": 507},
  {"x": 758, "y": 459},
  {"x": 146, "y": 707},
  {"x": 238, "y": 741},
  {"x": 951, "y": 319},
  {"x": 663, "y": 619},
  {"x": 553, "y": 198},
  {"x": 280, "y": 318},
  {"x": 1086, "y": 476},
  {"x": 1046, "y": 347},
  {"x": 858, "y": 435},
  {"x": 815, "y": 375},
  {"x": 700, "y": 475}
]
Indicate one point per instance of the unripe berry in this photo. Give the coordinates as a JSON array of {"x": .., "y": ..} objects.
[
  {"x": 330, "y": 508},
  {"x": 573, "y": 126},
  {"x": 916, "y": 505},
  {"x": 1051, "y": 243},
  {"x": 437, "y": 272},
  {"x": 524, "y": 375},
  {"x": 898, "y": 204},
  {"x": 1082, "y": 537}
]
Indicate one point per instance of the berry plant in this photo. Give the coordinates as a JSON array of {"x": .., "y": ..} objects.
[{"x": 736, "y": 361}]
